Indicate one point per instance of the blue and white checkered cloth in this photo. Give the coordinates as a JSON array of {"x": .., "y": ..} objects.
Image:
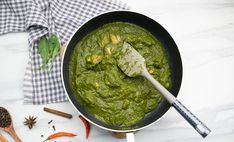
[{"x": 46, "y": 17}]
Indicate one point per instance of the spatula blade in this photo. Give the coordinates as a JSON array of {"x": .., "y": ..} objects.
[{"x": 130, "y": 61}]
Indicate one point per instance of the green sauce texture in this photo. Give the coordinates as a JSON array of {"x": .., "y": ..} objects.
[{"x": 100, "y": 85}]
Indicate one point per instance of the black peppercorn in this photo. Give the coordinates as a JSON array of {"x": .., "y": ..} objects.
[{"x": 5, "y": 118}]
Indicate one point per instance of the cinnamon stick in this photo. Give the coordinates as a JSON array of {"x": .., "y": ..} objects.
[{"x": 57, "y": 112}]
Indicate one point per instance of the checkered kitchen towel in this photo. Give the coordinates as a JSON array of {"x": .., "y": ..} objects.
[{"x": 46, "y": 17}]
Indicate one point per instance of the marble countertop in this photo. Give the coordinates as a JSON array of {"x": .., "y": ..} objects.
[{"x": 203, "y": 31}]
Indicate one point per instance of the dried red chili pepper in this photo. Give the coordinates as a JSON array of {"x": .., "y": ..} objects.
[
  {"x": 60, "y": 134},
  {"x": 86, "y": 124}
]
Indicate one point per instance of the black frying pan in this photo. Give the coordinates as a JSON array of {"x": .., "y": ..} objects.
[{"x": 147, "y": 23}]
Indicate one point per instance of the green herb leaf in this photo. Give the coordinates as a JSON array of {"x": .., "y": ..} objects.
[
  {"x": 48, "y": 48},
  {"x": 54, "y": 47},
  {"x": 44, "y": 51}
]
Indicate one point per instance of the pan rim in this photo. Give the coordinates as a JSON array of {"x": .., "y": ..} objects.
[{"x": 62, "y": 64}]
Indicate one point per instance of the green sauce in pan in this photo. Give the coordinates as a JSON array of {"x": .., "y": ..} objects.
[{"x": 102, "y": 88}]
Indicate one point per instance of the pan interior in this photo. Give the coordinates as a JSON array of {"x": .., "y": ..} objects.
[{"x": 158, "y": 31}]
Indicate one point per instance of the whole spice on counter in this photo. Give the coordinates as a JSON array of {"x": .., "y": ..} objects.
[
  {"x": 60, "y": 134},
  {"x": 86, "y": 124},
  {"x": 54, "y": 128},
  {"x": 59, "y": 113},
  {"x": 5, "y": 118},
  {"x": 30, "y": 121},
  {"x": 50, "y": 121}
]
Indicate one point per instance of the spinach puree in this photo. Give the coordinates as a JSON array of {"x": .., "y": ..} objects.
[{"x": 102, "y": 88}]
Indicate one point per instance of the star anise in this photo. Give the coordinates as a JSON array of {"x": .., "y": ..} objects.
[{"x": 30, "y": 121}]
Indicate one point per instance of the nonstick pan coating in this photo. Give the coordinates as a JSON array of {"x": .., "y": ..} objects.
[{"x": 143, "y": 21}]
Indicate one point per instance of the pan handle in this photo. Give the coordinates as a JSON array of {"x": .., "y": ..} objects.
[
  {"x": 200, "y": 127},
  {"x": 130, "y": 137}
]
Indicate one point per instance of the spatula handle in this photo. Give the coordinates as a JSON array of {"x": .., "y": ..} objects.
[{"x": 200, "y": 127}]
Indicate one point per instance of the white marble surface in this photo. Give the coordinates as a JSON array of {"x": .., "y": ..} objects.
[{"x": 204, "y": 33}]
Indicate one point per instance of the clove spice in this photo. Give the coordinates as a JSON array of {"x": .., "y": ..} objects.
[
  {"x": 50, "y": 121},
  {"x": 54, "y": 128}
]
